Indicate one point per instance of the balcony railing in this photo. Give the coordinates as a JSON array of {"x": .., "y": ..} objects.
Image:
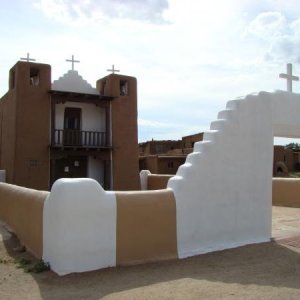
[{"x": 79, "y": 138}]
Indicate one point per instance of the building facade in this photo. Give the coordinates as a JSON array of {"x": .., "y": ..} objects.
[
  {"x": 68, "y": 129},
  {"x": 166, "y": 156}
]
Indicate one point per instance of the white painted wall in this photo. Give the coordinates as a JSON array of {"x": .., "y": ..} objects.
[
  {"x": 224, "y": 190},
  {"x": 93, "y": 117},
  {"x": 144, "y": 179},
  {"x": 73, "y": 82},
  {"x": 79, "y": 226},
  {"x": 96, "y": 169}
]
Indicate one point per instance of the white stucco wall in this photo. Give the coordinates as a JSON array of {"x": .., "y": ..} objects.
[
  {"x": 79, "y": 226},
  {"x": 96, "y": 169},
  {"x": 73, "y": 82},
  {"x": 92, "y": 119},
  {"x": 144, "y": 179},
  {"x": 224, "y": 190}
]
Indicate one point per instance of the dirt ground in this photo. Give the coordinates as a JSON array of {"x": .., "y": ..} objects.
[{"x": 262, "y": 271}]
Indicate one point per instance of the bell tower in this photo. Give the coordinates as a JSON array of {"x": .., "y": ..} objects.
[
  {"x": 26, "y": 125},
  {"x": 123, "y": 129}
]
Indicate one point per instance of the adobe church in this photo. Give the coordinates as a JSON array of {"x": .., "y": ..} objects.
[{"x": 68, "y": 129}]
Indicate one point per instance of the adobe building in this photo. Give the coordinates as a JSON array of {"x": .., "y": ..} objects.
[
  {"x": 285, "y": 160},
  {"x": 68, "y": 128},
  {"x": 165, "y": 157}
]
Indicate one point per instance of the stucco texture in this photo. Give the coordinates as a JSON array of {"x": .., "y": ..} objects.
[
  {"x": 146, "y": 226},
  {"x": 224, "y": 190},
  {"x": 22, "y": 210},
  {"x": 286, "y": 192}
]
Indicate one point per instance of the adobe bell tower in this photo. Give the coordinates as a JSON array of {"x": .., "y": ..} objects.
[
  {"x": 25, "y": 112},
  {"x": 123, "y": 129}
]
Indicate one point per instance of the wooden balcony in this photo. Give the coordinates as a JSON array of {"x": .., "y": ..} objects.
[{"x": 68, "y": 138}]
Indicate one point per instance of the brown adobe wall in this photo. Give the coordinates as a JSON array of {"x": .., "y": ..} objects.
[
  {"x": 146, "y": 227},
  {"x": 190, "y": 140},
  {"x": 8, "y": 134},
  {"x": 169, "y": 164},
  {"x": 32, "y": 166},
  {"x": 125, "y": 153},
  {"x": 151, "y": 163},
  {"x": 22, "y": 210},
  {"x": 286, "y": 192},
  {"x": 158, "y": 182}
]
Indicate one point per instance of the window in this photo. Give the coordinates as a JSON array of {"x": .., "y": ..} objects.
[
  {"x": 72, "y": 118},
  {"x": 34, "y": 77},
  {"x": 160, "y": 149},
  {"x": 170, "y": 165},
  {"x": 123, "y": 88}
]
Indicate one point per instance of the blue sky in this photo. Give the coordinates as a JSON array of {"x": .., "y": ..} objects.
[{"x": 190, "y": 57}]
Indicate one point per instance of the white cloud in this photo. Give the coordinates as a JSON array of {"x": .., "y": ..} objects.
[
  {"x": 156, "y": 124},
  {"x": 277, "y": 35},
  {"x": 189, "y": 57},
  {"x": 268, "y": 25},
  {"x": 74, "y": 11}
]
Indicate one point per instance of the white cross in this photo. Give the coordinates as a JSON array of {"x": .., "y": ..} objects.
[
  {"x": 113, "y": 70},
  {"x": 73, "y": 61},
  {"x": 27, "y": 58},
  {"x": 289, "y": 77}
]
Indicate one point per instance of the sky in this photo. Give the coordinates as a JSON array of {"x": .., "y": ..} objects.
[{"x": 189, "y": 57}]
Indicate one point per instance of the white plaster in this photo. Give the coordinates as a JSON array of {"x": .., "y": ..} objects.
[
  {"x": 73, "y": 82},
  {"x": 79, "y": 226},
  {"x": 2, "y": 176},
  {"x": 96, "y": 169},
  {"x": 144, "y": 179},
  {"x": 224, "y": 190},
  {"x": 93, "y": 117}
]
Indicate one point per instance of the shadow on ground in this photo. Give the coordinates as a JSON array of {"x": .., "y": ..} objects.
[{"x": 266, "y": 264}]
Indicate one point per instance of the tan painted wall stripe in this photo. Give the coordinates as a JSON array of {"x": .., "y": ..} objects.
[
  {"x": 146, "y": 226},
  {"x": 22, "y": 210}
]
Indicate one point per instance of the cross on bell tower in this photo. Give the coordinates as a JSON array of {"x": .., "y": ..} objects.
[
  {"x": 27, "y": 58},
  {"x": 113, "y": 70},
  {"x": 73, "y": 61},
  {"x": 289, "y": 77}
]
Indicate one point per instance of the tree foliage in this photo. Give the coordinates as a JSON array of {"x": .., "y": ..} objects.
[{"x": 293, "y": 146}]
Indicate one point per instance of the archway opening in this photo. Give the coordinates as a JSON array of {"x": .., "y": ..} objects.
[{"x": 286, "y": 188}]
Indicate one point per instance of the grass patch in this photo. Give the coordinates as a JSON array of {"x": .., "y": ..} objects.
[
  {"x": 28, "y": 267},
  {"x": 40, "y": 267}
]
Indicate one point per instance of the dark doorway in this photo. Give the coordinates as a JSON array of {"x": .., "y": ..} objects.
[
  {"x": 72, "y": 126},
  {"x": 69, "y": 167}
]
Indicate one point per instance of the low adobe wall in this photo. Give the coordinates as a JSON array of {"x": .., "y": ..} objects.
[
  {"x": 146, "y": 227},
  {"x": 22, "y": 210},
  {"x": 286, "y": 192},
  {"x": 153, "y": 181},
  {"x": 106, "y": 229},
  {"x": 158, "y": 182}
]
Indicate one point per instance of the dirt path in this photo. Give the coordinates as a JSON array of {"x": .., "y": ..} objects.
[{"x": 262, "y": 271}]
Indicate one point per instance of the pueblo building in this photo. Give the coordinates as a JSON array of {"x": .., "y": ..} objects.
[
  {"x": 166, "y": 156},
  {"x": 68, "y": 128}
]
